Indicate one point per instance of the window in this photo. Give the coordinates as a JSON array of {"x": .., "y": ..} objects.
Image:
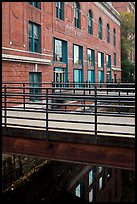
[
  {"x": 100, "y": 28},
  {"x": 100, "y": 169},
  {"x": 90, "y": 177},
  {"x": 91, "y": 195},
  {"x": 108, "y": 61},
  {"x": 58, "y": 51},
  {"x": 35, "y": 84},
  {"x": 100, "y": 183},
  {"x": 90, "y": 22},
  {"x": 108, "y": 33},
  {"x": 100, "y": 59},
  {"x": 108, "y": 65},
  {"x": 77, "y": 14},
  {"x": 91, "y": 57},
  {"x": 34, "y": 37},
  {"x": 35, "y": 4},
  {"x": 115, "y": 61},
  {"x": 77, "y": 191},
  {"x": 60, "y": 10},
  {"x": 78, "y": 55},
  {"x": 114, "y": 37}
]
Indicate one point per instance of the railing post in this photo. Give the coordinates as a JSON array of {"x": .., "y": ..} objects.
[
  {"x": 5, "y": 105},
  {"x": 95, "y": 111},
  {"x": 119, "y": 95},
  {"x": 47, "y": 112},
  {"x": 24, "y": 95},
  {"x": 84, "y": 99}
]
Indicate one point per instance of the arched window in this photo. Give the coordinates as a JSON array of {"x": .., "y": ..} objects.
[
  {"x": 114, "y": 37},
  {"x": 77, "y": 14},
  {"x": 90, "y": 30},
  {"x": 100, "y": 28},
  {"x": 108, "y": 33}
]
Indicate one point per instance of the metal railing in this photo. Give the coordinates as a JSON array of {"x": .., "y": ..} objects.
[{"x": 89, "y": 108}]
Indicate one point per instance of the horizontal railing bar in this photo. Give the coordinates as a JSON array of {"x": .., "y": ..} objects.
[{"x": 71, "y": 121}]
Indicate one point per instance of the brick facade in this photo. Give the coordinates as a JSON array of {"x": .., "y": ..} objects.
[{"x": 18, "y": 61}]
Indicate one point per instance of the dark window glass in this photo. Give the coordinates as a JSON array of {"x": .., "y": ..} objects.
[
  {"x": 100, "y": 28},
  {"x": 34, "y": 37},
  {"x": 77, "y": 14},
  {"x": 60, "y": 10},
  {"x": 35, "y": 4},
  {"x": 108, "y": 33},
  {"x": 90, "y": 22}
]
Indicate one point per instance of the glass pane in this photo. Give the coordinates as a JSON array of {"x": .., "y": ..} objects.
[
  {"x": 100, "y": 183},
  {"x": 76, "y": 54},
  {"x": 30, "y": 44},
  {"x": 35, "y": 31},
  {"x": 36, "y": 46},
  {"x": 91, "y": 195},
  {"x": 77, "y": 191},
  {"x": 90, "y": 177},
  {"x": 30, "y": 30},
  {"x": 99, "y": 59},
  {"x": 58, "y": 50}
]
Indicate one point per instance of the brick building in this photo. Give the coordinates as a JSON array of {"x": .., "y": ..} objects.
[
  {"x": 97, "y": 184},
  {"x": 60, "y": 41},
  {"x": 124, "y": 6}
]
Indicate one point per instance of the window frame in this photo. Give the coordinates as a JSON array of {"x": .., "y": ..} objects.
[
  {"x": 77, "y": 18},
  {"x": 60, "y": 10},
  {"x": 79, "y": 55},
  {"x": 108, "y": 33},
  {"x": 100, "y": 28},
  {"x": 114, "y": 37},
  {"x": 32, "y": 39},
  {"x": 61, "y": 50},
  {"x": 90, "y": 24},
  {"x": 36, "y": 4},
  {"x": 115, "y": 59},
  {"x": 90, "y": 52}
]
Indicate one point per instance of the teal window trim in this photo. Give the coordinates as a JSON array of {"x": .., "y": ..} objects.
[
  {"x": 108, "y": 61},
  {"x": 36, "y": 4},
  {"x": 60, "y": 10},
  {"x": 77, "y": 55},
  {"x": 34, "y": 37},
  {"x": 77, "y": 14},
  {"x": 35, "y": 85},
  {"x": 91, "y": 76},
  {"x": 58, "y": 50},
  {"x": 100, "y": 28},
  {"x": 90, "y": 29},
  {"x": 61, "y": 47},
  {"x": 102, "y": 60},
  {"x": 115, "y": 59},
  {"x": 91, "y": 57},
  {"x": 108, "y": 33}
]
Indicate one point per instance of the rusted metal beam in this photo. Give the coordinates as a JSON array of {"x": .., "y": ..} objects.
[{"x": 94, "y": 154}]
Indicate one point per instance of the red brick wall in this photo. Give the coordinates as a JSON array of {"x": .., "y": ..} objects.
[
  {"x": 121, "y": 6},
  {"x": 15, "y": 17}
]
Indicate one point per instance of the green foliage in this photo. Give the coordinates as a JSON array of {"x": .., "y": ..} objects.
[
  {"x": 128, "y": 71},
  {"x": 127, "y": 45},
  {"x": 127, "y": 33}
]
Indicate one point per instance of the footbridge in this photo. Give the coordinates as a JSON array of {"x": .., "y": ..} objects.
[{"x": 88, "y": 123}]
